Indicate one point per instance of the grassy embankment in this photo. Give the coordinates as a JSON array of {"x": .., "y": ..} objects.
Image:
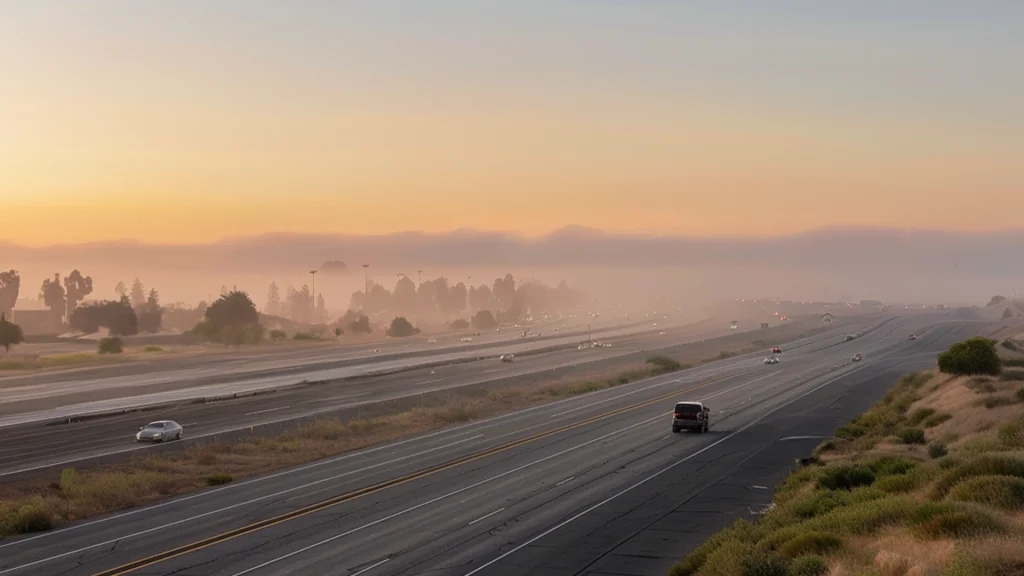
[
  {"x": 42, "y": 502},
  {"x": 929, "y": 481}
]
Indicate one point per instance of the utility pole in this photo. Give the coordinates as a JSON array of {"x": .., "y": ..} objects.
[
  {"x": 419, "y": 278},
  {"x": 313, "y": 303},
  {"x": 366, "y": 273}
]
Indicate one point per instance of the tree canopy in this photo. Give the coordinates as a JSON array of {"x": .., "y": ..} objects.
[
  {"x": 10, "y": 286},
  {"x": 232, "y": 309},
  {"x": 976, "y": 355},
  {"x": 10, "y": 333},
  {"x": 484, "y": 320},
  {"x": 117, "y": 316},
  {"x": 76, "y": 288},
  {"x": 402, "y": 328}
]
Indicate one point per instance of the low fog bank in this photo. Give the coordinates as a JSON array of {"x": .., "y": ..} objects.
[{"x": 892, "y": 266}]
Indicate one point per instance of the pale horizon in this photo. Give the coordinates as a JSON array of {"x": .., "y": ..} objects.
[{"x": 191, "y": 122}]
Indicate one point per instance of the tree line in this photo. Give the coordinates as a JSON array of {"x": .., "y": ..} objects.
[
  {"x": 132, "y": 312},
  {"x": 508, "y": 301}
]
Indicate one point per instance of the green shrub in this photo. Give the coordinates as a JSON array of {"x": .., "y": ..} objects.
[
  {"x": 736, "y": 540},
  {"x": 1013, "y": 362},
  {"x": 972, "y": 356},
  {"x": 152, "y": 349},
  {"x": 845, "y": 477},
  {"x": 765, "y": 565},
  {"x": 937, "y": 450},
  {"x": 984, "y": 465},
  {"x": 1011, "y": 434},
  {"x": 897, "y": 484},
  {"x": 811, "y": 543},
  {"x": 941, "y": 520},
  {"x": 25, "y": 519},
  {"x": 277, "y": 335},
  {"x": 891, "y": 465},
  {"x": 663, "y": 364},
  {"x": 304, "y": 336},
  {"x": 401, "y": 328},
  {"x": 1004, "y": 492},
  {"x": 218, "y": 479},
  {"x": 912, "y": 436},
  {"x": 112, "y": 345},
  {"x": 811, "y": 565}
]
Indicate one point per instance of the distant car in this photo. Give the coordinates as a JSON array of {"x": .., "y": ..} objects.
[
  {"x": 376, "y": 350},
  {"x": 691, "y": 416},
  {"x": 432, "y": 341},
  {"x": 771, "y": 360},
  {"x": 913, "y": 336},
  {"x": 850, "y": 337},
  {"x": 584, "y": 346},
  {"x": 776, "y": 350},
  {"x": 160, "y": 431},
  {"x": 858, "y": 357},
  {"x": 467, "y": 339},
  {"x": 507, "y": 357},
  {"x": 662, "y": 333}
]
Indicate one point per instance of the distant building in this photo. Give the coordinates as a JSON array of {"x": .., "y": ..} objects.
[{"x": 34, "y": 318}]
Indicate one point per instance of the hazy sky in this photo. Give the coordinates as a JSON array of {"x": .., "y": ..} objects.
[{"x": 187, "y": 121}]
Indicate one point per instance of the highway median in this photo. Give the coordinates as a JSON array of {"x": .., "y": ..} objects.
[{"x": 41, "y": 503}]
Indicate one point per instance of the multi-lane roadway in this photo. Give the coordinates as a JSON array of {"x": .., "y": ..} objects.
[
  {"x": 62, "y": 394},
  {"x": 28, "y": 444},
  {"x": 595, "y": 484}
]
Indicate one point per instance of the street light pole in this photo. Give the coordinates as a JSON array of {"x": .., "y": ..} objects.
[
  {"x": 366, "y": 273},
  {"x": 313, "y": 303}
]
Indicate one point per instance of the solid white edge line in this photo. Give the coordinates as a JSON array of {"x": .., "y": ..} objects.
[
  {"x": 368, "y": 568},
  {"x": 485, "y": 517},
  {"x": 231, "y": 507},
  {"x": 444, "y": 496},
  {"x": 659, "y": 473},
  {"x": 569, "y": 479}
]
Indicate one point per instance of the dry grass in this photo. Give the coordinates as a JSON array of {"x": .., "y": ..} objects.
[{"x": 889, "y": 508}]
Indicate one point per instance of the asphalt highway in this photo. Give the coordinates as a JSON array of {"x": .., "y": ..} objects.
[
  {"x": 594, "y": 484},
  {"x": 55, "y": 395},
  {"x": 34, "y": 446}
]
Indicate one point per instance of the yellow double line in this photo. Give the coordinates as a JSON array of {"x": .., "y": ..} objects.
[{"x": 341, "y": 499}]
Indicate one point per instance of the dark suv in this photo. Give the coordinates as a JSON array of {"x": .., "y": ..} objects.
[{"x": 691, "y": 416}]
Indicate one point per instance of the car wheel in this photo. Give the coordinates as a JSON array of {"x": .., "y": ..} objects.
[
  {"x": 675, "y": 430},
  {"x": 178, "y": 437}
]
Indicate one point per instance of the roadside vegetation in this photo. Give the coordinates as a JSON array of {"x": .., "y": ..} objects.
[{"x": 930, "y": 480}]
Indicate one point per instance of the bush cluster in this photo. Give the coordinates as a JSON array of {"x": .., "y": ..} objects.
[{"x": 972, "y": 356}]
